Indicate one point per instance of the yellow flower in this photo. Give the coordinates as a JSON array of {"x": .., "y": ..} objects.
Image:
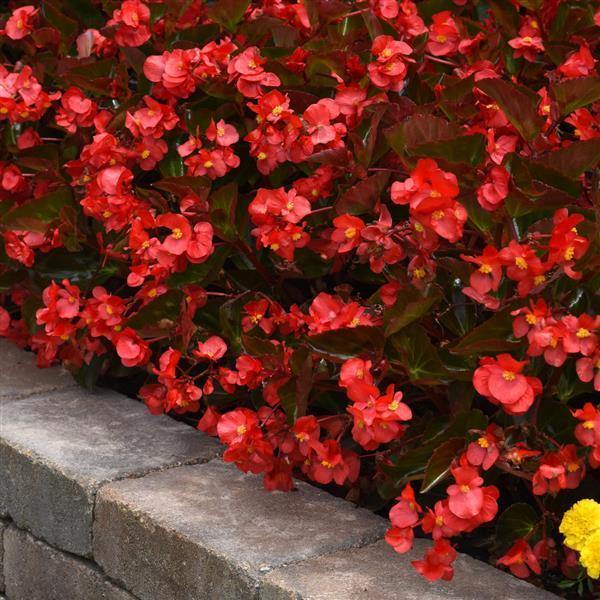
[
  {"x": 580, "y": 522},
  {"x": 590, "y": 555}
]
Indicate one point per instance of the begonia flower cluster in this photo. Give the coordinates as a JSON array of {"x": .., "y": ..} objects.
[{"x": 357, "y": 242}]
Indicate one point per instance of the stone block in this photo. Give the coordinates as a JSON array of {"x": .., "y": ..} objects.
[
  {"x": 36, "y": 571},
  {"x": 20, "y": 375},
  {"x": 3, "y": 526},
  {"x": 377, "y": 572},
  {"x": 211, "y": 532},
  {"x": 58, "y": 448}
]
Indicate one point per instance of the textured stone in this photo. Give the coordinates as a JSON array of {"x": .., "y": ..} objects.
[
  {"x": 35, "y": 571},
  {"x": 377, "y": 572},
  {"x": 3, "y": 525},
  {"x": 57, "y": 449},
  {"x": 209, "y": 531},
  {"x": 20, "y": 375}
]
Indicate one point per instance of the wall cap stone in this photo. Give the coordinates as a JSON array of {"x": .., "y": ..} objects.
[
  {"x": 20, "y": 375},
  {"x": 222, "y": 524}
]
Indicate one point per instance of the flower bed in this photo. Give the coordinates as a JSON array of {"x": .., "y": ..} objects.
[{"x": 358, "y": 242}]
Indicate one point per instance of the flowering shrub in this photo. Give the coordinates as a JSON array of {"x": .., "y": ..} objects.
[{"x": 357, "y": 241}]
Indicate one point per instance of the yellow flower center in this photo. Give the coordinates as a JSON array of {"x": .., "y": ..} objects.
[
  {"x": 569, "y": 253},
  {"x": 583, "y": 333},
  {"x": 350, "y": 232},
  {"x": 177, "y": 233},
  {"x": 145, "y": 154},
  {"x": 508, "y": 375},
  {"x": 531, "y": 319},
  {"x": 241, "y": 430},
  {"x": 483, "y": 442},
  {"x": 485, "y": 269},
  {"x": 521, "y": 263}
]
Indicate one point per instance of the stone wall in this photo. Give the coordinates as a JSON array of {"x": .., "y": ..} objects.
[{"x": 99, "y": 500}]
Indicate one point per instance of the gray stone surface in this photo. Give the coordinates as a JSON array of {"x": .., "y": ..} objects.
[
  {"x": 20, "y": 375},
  {"x": 3, "y": 525},
  {"x": 211, "y": 532},
  {"x": 377, "y": 572},
  {"x": 56, "y": 449},
  {"x": 35, "y": 571}
]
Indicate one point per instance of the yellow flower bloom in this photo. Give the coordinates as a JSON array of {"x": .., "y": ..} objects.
[
  {"x": 590, "y": 555},
  {"x": 580, "y": 522}
]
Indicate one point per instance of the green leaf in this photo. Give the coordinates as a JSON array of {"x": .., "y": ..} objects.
[
  {"x": 413, "y": 350},
  {"x": 518, "y": 103},
  {"x": 411, "y": 305},
  {"x": 572, "y": 94},
  {"x": 28, "y": 310},
  {"x": 517, "y": 521},
  {"x": 44, "y": 157},
  {"x": 202, "y": 273},
  {"x": 166, "y": 306},
  {"x": 555, "y": 419},
  {"x": 78, "y": 267},
  {"x": 228, "y": 13},
  {"x": 490, "y": 337},
  {"x": 38, "y": 213},
  {"x": 223, "y": 203},
  {"x": 415, "y": 461},
  {"x": 576, "y": 158},
  {"x": 172, "y": 164},
  {"x": 179, "y": 186},
  {"x": 466, "y": 149},
  {"x": 438, "y": 465},
  {"x": 342, "y": 344},
  {"x": 362, "y": 197},
  {"x": 420, "y": 129}
]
